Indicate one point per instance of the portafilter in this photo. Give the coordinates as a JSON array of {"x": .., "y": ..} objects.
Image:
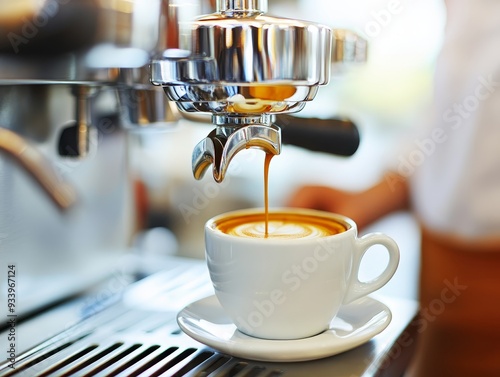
[{"x": 245, "y": 68}]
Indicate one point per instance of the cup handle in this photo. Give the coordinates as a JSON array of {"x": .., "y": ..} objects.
[{"x": 357, "y": 288}]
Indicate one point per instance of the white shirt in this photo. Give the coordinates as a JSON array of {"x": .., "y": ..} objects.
[{"x": 454, "y": 165}]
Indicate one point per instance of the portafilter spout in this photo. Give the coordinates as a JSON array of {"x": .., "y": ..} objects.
[
  {"x": 226, "y": 140},
  {"x": 244, "y": 68}
]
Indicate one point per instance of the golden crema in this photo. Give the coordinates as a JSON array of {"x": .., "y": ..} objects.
[{"x": 281, "y": 225}]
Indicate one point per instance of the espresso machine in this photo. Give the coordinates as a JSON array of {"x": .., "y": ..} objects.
[
  {"x": 72, "y": 73},
  {"x": 76, "y": 76}
]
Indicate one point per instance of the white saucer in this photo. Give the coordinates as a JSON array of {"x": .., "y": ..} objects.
[{"x": 205, "y": 321}]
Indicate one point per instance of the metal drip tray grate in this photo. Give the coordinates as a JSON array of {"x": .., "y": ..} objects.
[
  {"x": 136, "y": 359},
  {"x": 138, "y": 335}
]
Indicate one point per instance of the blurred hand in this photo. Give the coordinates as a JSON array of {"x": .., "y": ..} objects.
[
  {"x": 363, "y": 207},
  {"x": 329, "y": 199},
  {"x": 320, "y": 197}
]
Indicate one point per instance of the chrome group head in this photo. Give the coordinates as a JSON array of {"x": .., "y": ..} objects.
[{"x": 243, "y": 67}]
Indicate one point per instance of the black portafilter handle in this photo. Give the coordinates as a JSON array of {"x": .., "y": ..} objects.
[{"x": 335, "y": 136}]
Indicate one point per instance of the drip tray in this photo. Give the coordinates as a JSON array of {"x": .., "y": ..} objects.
[{"x": 138, "y": 335}]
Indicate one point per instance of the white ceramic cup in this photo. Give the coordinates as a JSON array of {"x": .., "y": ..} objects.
[{"x": 285, "y": 288}]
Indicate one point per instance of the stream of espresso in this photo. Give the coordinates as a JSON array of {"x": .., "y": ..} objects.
[{"x": 267, "y": 162}]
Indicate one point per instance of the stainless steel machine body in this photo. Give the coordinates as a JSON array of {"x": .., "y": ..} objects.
[{"x": 72, "y": 74}]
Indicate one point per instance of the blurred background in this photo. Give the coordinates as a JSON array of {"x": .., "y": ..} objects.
[{"x": 385, "y": 97}]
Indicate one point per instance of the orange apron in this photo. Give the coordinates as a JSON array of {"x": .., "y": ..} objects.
[{"x": 459, "y": 323}]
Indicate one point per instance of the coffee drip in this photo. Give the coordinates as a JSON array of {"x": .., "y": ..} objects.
[{"x": 267, "y": 163}]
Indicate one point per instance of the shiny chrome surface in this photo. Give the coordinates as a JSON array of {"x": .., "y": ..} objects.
[
  {"x": 241, "y": 100},
  {"x": 224, "y": 142},
  {"x": 250, "y": 50},
  {"x": 250, "y": 6},
  {"x": 83, "y": 117},
  {"x": 243, "y": 46},
  {"x": 63, "y": 65},
  {"x": 241, "y": 64},
  {"x": 140, "y": 108},
  {"x": 78, "y": 40}
]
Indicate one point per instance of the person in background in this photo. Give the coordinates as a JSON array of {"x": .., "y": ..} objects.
[{"x": 449, "y": 178}]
